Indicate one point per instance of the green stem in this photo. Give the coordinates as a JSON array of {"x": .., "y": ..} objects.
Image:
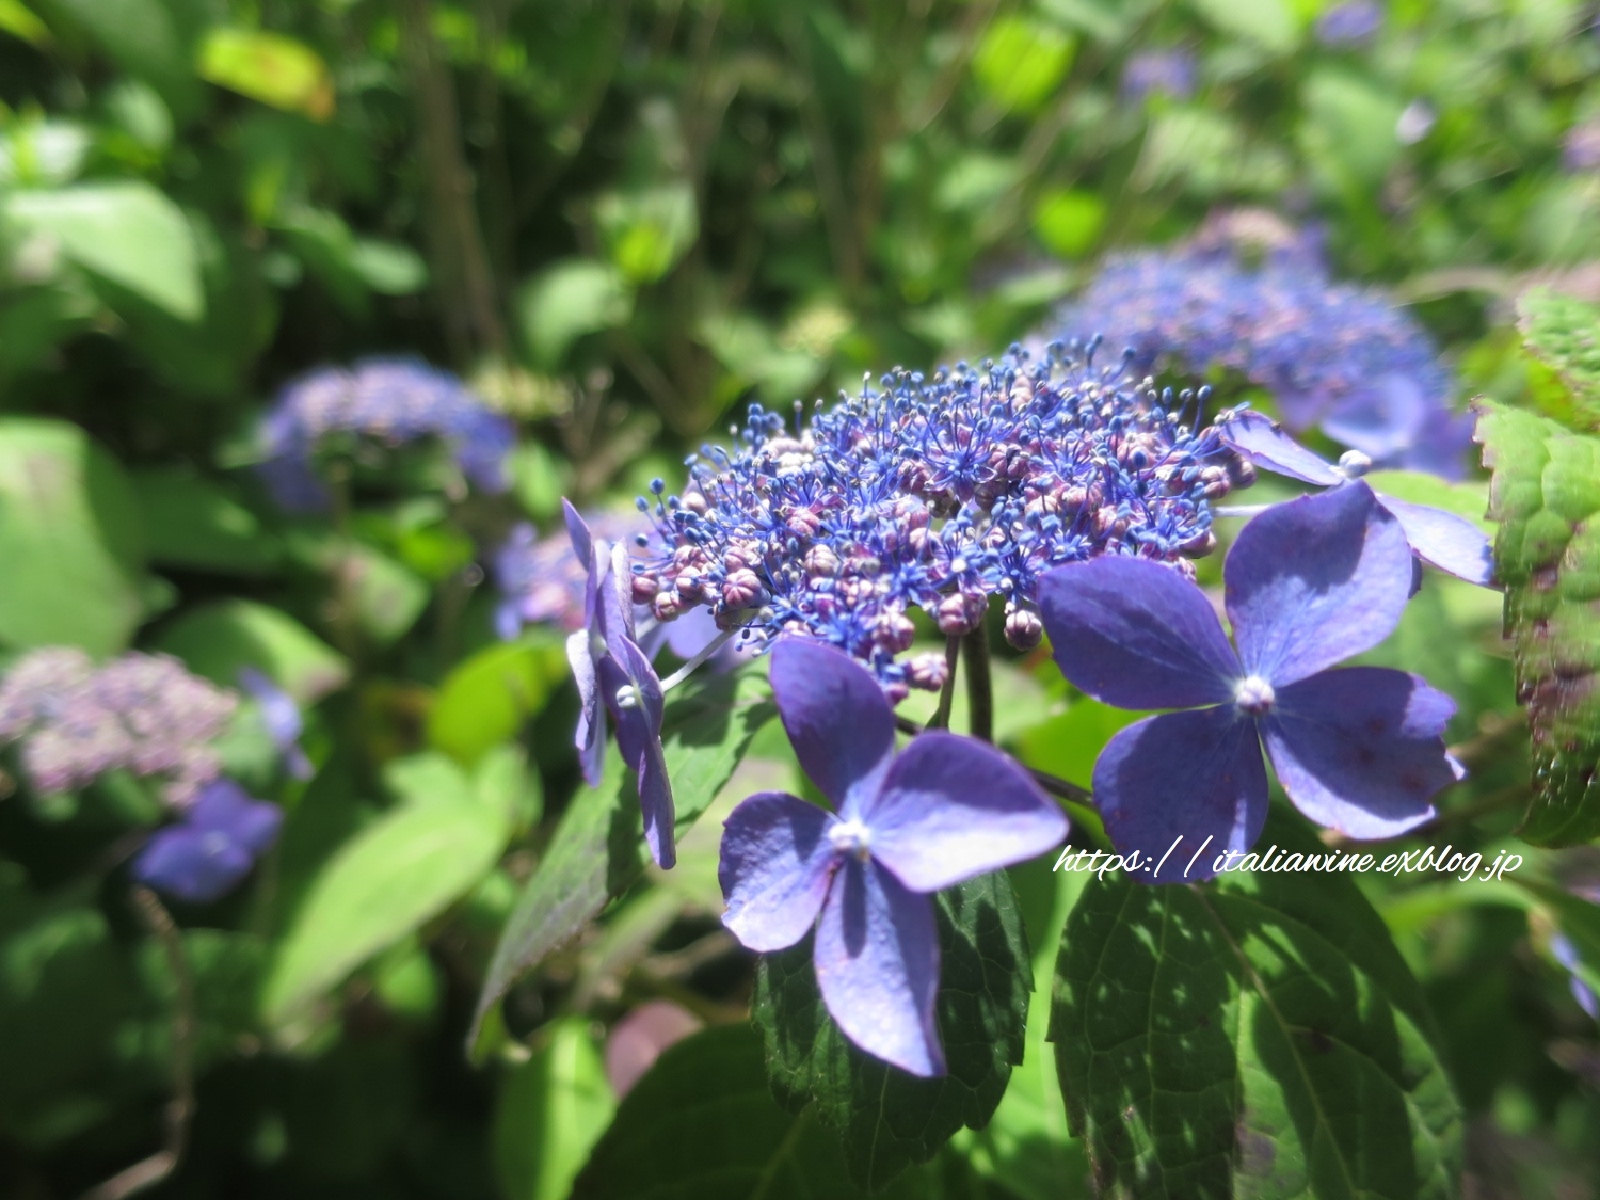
[
  {"x": 980, "y": 683},
  {"x": 941, "y": 715}
]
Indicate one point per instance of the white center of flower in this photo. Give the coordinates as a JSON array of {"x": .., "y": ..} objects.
[
  {"x": 1254, "y": 695},
  {"x": 849, "y": 837},
  {"x": 628, "y": 696}
]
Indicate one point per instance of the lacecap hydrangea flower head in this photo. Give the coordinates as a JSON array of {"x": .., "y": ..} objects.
[
  {"x": 1308, "y": 583},
  {"x": 902, "y": 827}
]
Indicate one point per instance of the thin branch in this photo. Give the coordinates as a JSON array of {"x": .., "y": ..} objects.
[
  {"x": 180, "y": 1109},
  {"x": 947, "y": 694},
  {"x": 980, "y": 683}
]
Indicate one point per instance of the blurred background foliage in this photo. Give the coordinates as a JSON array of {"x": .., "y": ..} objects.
[{"x": 620, "y": 222}]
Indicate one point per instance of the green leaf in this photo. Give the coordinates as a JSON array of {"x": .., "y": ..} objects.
[
  {"x": 268, "y": 67},
  {"x": 388, "y": 268},
  {"x": 598, "y": 848},
  {"x": 128, "y": 232},
  {"x": 1259, "y": 1036},
  {"x": 551, "y": 1111},
  {"x": 16, "y": 20},
  {"x": 647, "y": 230},
  {"x": 70, "y": 540},
  {"x": 387, "y": 597},
  {"x": 889, "y": 1119},
  {"x": 220, "y": 639},
  {"x": 1021, "y": 62},
  {"x": 400, "y": 872},
  {"x": 194, "y": 523},
  {"x": 43, "y": 152},
  {"x": 142, "y": 38},
  {"x": 1270, "y": 24},
  {"x": 488, "y": 698},
  {"x": 1069, "y": 221},
  {"x": 568, "y": 300},
  {"x": 702, "y": 1125},
  {"x": 1544, "y": 493},
  {"x": 1562, "y": 335}
]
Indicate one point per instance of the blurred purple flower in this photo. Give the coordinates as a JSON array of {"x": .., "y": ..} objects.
[
  {"x": 1580, "y": 149},
  {"x": 386, "y": 401},
  {"x": 1309, "y": 582},
  {"x": 143, "y": 713},
  {"x": 1451, "y": 543},
  {"x": 281, "y": 718},
  {"x": 211, "y": 847},
  {"x": 639, "y": 1038},
  {"x": 1565, "y": 953},
  {"x": 1415, "y": 123},
  {"x": 1174, "y": 72},
  {"x": 947, "y": 809},
  {"x": 1353, "y": 23}
]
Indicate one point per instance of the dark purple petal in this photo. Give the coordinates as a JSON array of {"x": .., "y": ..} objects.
[
  {"x": 1360, "y": 750},
  {"x": 223, "y": 807},
  {"x": 615, "y": 599},
  {"x": 877, "y": 956},
  {"x": 1136, "y": 634},
  {"x": 583, "y": 548},
  {"x": 833, "y": 710},
  {"x": 590, "y": 736},
  {"x": 190, "y": 864},
  {"x": 775, "y": 866},
  {"x": 639, "y": 737},
  {"x": 1264, "y": 443},
  {"x": 1315, "y": 580},
  {"x": 1181, "y": 789},
  {"x": 1382, "y": 419},
  {"x": 1453, "y": 544},
  {"x": 952, "y": 807}
]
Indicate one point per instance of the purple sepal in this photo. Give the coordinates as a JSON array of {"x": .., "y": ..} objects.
[{"x": 212, "y": 847}]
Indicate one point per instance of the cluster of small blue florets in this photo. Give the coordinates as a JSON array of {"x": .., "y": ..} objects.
[
  {"x": 382, "y": 401},
  {"x": 1256, "y": 298},
  {"x": 934, "y": 493}
]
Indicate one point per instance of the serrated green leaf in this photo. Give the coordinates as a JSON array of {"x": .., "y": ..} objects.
[
  {"x": 1562, "y": 334},
  {"x": 551, "y": 1111},
  {"x": 1257, "y": 1036},
  {"x": 129, "y": 232},
  {"x": 401, "y": 871},
  {"x": 219, "y": 640},
  {"x": 1544, "y": 493},
  {"x": 70, "y": 540},
  {"x": 891, "y": 1120},
  {"x": 598, "y": 848},
  {"x": 702, "y": 1125}
]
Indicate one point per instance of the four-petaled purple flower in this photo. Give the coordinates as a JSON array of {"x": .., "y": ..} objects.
[
  {"x": 947, "y": 809},
  {"x": 615, "y": 676},
  {"x": 1308, "y": 583},
  {"x": 212, "y": 846},
  {"x": 1451, "y": 543}
]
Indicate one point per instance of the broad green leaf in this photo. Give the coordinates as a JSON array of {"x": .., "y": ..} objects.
[
  {"x": 551, "y": 1111},
  {"x": 598, "y": 849},
  {"x": 1259, "y": 1036},
  {"x": 1270, "y": 24},
  {"x": 1562, "y": 336},
  {"x": 17, "y": 20},
  {"x": 1349, "y": 123},
  {"x": 268, "y": 67},
  {"x": 70, "y": 540},
  {"x": 192, "y": 522},
  {"x": 128, "y": 232},
  {"x": 220, "y": 639},
  {"x": 42, "y": 153},
  {"x": 142, "y": 38},
  {"x": 702, "y": 1125},
  {"x": 488, "y": 698},
  {"x": 386, "y": 596},
  {"x": 388, "y": 268},
  {"x": 400, "y": 872},
  {"x": 568, "y": 300},
  {"x": 648, "y": 230},
  {"x": 1545, "y": 493},
  {"x": 889, "y": 1119},
  {"x": 1021, "y": 62},
  {"x": 1069, "y": 221}
]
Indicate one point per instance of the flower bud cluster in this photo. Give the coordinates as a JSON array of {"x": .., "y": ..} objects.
[
  {"x": 1246, "y": 298},
  {"x": 388, "y": 402},
  {"x": 933, "y": 493},
  {"x": 142, "y": 713}
]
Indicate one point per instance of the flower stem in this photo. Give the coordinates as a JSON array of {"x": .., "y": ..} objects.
[
  {"x": 941, "y": 715},
  {"x": 1239, "y": 510},
  {"x": 683, "y": 672},
  {"x": 980, "y": 683}
]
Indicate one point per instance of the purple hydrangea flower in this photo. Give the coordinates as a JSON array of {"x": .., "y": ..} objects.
[
  {"x": 385, "y": 401},
  {"x": 1336, "y": 357},
  {"x": 1308, "y": 583},
  {"x": 945, "y": 810},
  {"x": 1580, "y": 148},
  {"x": 1353, "y": 23},
  {"x": 1173, "y": 72},
  {"x": 142, "y": 713},
  {"x": 614, "y": 675},
  {"x": 281, "y": 718},
  {"x": 934, "y": 493},
  {"x": 212, "y": 846},
  {"x": 1451, "y": 543}
]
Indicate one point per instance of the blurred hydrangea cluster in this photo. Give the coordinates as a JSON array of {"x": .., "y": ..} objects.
[
  {"x": 386, "y": 401},
  {"x": 1251, "y": 295},
  {"x": 541, "y": 579},
  {"x": 1174, "y": 72},
  {"x": 933, "y": 493},
  {"x": 142, "y": 713}
]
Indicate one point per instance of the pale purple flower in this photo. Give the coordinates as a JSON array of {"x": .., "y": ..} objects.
[
  {"x": 1565, "y": 953},
  {"x": 947, "y": 809},
  {"x": 1451, "y": 543},
  {"x": 212, "y": 846},
  {"x": 1353, "y": 23},
  {"x": 1308, "y": 583},
  {"x": 280, "y": 717},
  {"x": 1174, "y": 72}
]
